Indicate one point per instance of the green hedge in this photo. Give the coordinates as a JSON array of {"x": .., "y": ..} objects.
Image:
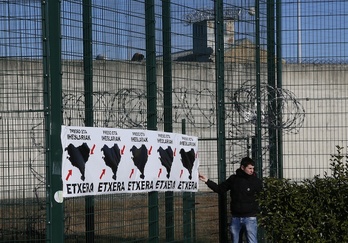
[{"x": 314, "y": 210}]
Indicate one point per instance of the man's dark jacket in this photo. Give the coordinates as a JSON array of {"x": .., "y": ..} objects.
[{"x": 243, "y": 189}]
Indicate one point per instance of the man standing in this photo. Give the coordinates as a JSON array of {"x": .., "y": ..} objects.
[{"x": 243, "y": 187}]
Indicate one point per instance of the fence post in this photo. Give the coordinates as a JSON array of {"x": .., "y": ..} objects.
[
  {"x": 272, "y": 101},
  {"x": 279, "y": 84},
  {"x": 53, "y": 118},
  {"x": 151, "y": 84},
  {"x": 220, "y": 102},
  {"x": 167, "y": 101},
  {"x": 88, "y": 90},
  {"x": 188, "y": 200},
  {"x": 258, "y": 128}
]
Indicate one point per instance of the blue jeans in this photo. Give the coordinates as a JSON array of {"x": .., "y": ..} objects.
[{"x": 250, "y": 224}]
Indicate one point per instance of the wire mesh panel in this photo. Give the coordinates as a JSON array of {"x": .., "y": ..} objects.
[
  {"x": 119, "y": 99},
  {"x": 315, "y": 54},
  {"x": 22, "y": 141}
]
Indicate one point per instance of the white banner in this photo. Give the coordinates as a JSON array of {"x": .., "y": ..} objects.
[{"x": 107, "y": 160}]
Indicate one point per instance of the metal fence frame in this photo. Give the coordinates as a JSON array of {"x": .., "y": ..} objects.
[{"x": 49, "y": 86}]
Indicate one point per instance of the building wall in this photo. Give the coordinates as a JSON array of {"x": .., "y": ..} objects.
[{"x": 204, "y": 35}]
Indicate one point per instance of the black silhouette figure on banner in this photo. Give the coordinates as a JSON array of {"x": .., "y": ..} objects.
[
  {"x": 112, "y": 158},
  {"x": 166, "y": 157},
  {"x": 78, "y": 157},
  {"x": 140, "y": 158},
  {"x": 188, "y": 159}
]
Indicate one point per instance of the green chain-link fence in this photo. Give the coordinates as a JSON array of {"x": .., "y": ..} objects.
[{"x": 265, "y": 79}]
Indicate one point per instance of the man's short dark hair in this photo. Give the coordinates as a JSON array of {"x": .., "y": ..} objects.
[{"x": 247, "y": 161}]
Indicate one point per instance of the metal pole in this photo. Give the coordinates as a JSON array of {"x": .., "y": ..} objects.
[
  {"x": 151, "y": 88},
  {"x": 186, "y": 200},
  {"x": 299, "y": 34},
  {"x": 279, "y": 85},
  {"x": 220, "y": 102},
  {"x": 168, "y": 104},
  {"x": 258, "y": 128},
  {"x": 272, "y": 102},
  {"x": 53, "y": 118},
  {"x": 88, "y": 90}
]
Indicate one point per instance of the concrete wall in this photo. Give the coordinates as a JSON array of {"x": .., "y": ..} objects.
[
  {"x": 322, "y": 90},
  {"x": 120, "y": 101}
]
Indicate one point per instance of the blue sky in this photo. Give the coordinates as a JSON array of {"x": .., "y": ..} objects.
[
  {"x": 119, "y": 28},
  {"x": 322, "y": 29}
]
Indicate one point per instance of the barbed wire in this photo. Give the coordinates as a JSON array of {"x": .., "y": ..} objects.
[
  {"x": 198, "y": 15},
  {"x": 326, "y": 60},
  {"x": 279, "y": 108},
  {"x": 128, "y": 109}
]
